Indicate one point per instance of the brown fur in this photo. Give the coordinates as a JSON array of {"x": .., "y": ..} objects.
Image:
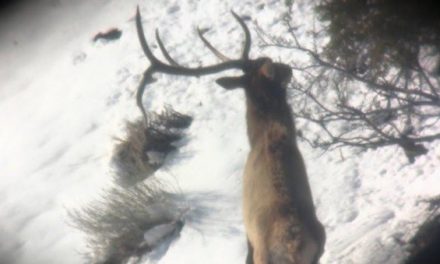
[{"x": 278, "y": 210}]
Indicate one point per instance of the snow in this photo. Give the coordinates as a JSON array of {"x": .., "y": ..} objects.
[{"x": 64, "y": 99}]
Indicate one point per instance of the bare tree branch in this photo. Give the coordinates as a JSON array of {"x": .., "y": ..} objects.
[{"x": 359, "y": 108}]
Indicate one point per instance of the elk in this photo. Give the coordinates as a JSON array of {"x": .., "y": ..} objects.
[{"x": 278, "y": 211}]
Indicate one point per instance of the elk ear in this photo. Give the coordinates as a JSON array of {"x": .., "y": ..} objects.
[
  {"x": 230, "y": 83},
  {"x": 267, "y": 70}
]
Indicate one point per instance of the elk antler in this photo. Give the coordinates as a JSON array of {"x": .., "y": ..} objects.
[
  {"x": 164, "y": 50},
  {"x": 216, "y": 52},
  {"x": 247, "y": 34},
  {"x": 246, "y": 45},
  {"x": 175, "y": 68}
]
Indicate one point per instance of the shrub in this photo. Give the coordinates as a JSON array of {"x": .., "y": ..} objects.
[
  {"x": 145, "y": 147},
  {"x": 117, "y": 224}
]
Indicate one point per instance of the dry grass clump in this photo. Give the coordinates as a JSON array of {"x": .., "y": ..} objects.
[
  {"x": 117, "y": 224},
  {"x": 170, "y": 118},
  {"x": 145, "y": 147},
  {"x": 129, "y": 157}
]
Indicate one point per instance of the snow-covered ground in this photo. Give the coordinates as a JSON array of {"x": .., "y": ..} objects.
[{"x": 64, "y": 98}]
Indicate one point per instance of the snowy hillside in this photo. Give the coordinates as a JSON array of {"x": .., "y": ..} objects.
[{"x": 64, "y": 99}]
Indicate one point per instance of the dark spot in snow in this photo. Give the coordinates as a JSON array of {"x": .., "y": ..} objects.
[
  {"x": 351, "y": 216},
  {"x": 109, "y": 35},
  {"x": 79, "y": 57},
  {"x": 113, "y": 99},
  {"x": 123, "y": 74},
  {"x": 90, "y": 129},
  {"x": 173, "y": 9},
  {"x": 51, "y": 160}
]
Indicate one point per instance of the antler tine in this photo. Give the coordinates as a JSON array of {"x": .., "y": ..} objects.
[
  {"x": 216, "y": 52},
  {"x": 143, "y": 41},
  {"x": 247, "y": 33},
  {"x": 164, "y": 50}
]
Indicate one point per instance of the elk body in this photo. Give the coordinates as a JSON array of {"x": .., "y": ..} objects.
[{"x": 279, "y": 216}]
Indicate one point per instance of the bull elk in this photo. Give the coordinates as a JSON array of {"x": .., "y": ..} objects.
[{"x": 278, "y": 211}]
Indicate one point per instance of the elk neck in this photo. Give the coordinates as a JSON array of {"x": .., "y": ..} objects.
[
  {"x": 268, "y": 114},
  {"x": 272, "y": 138}
]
